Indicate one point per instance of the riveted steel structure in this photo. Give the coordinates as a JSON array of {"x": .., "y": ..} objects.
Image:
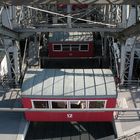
[{"x": 116, "y": 19}]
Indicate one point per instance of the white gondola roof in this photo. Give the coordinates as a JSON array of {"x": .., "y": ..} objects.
[
  {"x": 68, "y": 83},
  {"x": 70, "y": 36}
]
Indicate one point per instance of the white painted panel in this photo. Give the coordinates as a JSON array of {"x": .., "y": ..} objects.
[
  {"x": 48, "y": 82},
  {"x": 100, "y": 87},
  {"x": 27, "y": 86},
  {"x": 110, "y": 84},
  {"x": 68, "y": 83},
  {"x": 89, "y": 82},
  {"x": 79, "y": 82},
  {"x": 28, "y": 82},
  {"x": 38, "y": 82},
  {"x": 30, "y": 73},
  {"x": 58, "y": 82}
]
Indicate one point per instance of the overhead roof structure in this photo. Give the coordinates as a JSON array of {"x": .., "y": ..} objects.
[
  {"x": 131, "y": 31},
  {"x": 8, "y": 32},
  {"x": 33, "y": 2},
  {"x": 46, "y": 29},
  {"x": 68, "y": 83},
  {"x": 34, "y": 17},
  {"x": 70, "y": 36}
]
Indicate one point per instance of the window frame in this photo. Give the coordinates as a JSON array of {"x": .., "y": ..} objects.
[
  {"x": 49, "y": 103},
  {"x": 97, "y": 100},
  {"x": 84, "y": 50},
  {"x": 77, "y": 101},
  {"x": 58, "y": 101},
  {"x": 68, "y": 103},
  {"x": 69, "y": 46},
  {"x": 57, "y": 50},
  {"x": 39, "y": 100},
  {"x": 76, "y": 45}
]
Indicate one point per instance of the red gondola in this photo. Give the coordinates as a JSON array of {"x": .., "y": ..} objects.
[
  {"x": 68, "y": 94},
  {"x": 72, "y": 44}
]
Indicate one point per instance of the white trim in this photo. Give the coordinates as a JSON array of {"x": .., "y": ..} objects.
[
  {"x": 77, "y": 101},
  {"x": 70, "y": 48},
  {"x": 32, "y": 100},
  {"x": 98, "y": 100},
  {"x": 32, "y": 104},
  {"x": 68, "y": 103},
  {"x": 86, "y": 103},
  {"x": 59, "y": 101},
  {"x": 50, "y": 104}
]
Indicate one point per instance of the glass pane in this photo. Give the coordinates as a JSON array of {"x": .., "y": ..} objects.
[
  {"x": 75, "y": 47},
  {"x": 66, "y": 47},
  {"x": 2, "y": 54},
  {"x": 59, "y": 104},
  {"x": 96, "y": 104},
  {"x": 57, "y": 47},
  {"x": 40, "y": 104},
  {"x": 84, "y": 47},
  {"x": 78, "y": 104}
]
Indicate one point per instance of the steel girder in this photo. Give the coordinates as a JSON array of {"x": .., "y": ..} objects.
[
  {"x": 4, "y": 31},
  {"x": 32, "y": 2}
]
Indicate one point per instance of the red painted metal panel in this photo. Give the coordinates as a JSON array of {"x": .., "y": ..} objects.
[
  {"x": 70, "y": 116},
  {"x": 89, "y": 53}
]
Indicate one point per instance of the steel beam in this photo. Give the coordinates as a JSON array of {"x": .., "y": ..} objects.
[
  {"x": 45, "y": 29},
  {"x": 4, "y": 31},
  {"x": 32, "y": 2},
  {"x": 131, "y": 31}
]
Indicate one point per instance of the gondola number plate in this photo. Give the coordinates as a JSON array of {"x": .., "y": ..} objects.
[{"x": 69, "y": 115}]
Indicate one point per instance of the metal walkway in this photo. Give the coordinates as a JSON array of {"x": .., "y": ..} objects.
[
  {"x": 128, "y": 123},
  {"x": 13, "y": 126},
  {"x": 70, "y": 131}
]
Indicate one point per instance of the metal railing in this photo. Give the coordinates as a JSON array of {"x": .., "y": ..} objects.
[
  {"x": 69, "y": 110},
  {"x": 135, "y": 136},
  {"x": 7, "y": 83},
  {"x": 130, "y": 84}
]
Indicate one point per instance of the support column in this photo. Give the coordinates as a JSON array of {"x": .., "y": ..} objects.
[
  {"x": 14, "y": 23},
  {"x": 122, "y": 64},
  {"x": 11, "y": 50},
  {"x": 55, "y": 17},
  {"x": 11, "y": 47},
  {"x": 69, "y": 18},
  {"x": 127, "y": 60},
  {"x": 1, "y": 10},
  {"x": 131, "y": 63},
  {"x": 127, "y": 48},
  {"x": 132, "y": 16}
]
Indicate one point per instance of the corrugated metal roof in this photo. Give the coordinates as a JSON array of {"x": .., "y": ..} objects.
[
  {"x": 68, "y": 83},
  {"x": 71, "y": 36}
]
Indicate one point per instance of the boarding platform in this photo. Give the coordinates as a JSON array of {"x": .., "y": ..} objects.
[{"x": 13, "y": 126}]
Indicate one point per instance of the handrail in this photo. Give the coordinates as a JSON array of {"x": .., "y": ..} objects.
[
  {"x": 69, "y": 110},
  {"x": 131, "y": 83},
  {"x": 129, "y": 136}
]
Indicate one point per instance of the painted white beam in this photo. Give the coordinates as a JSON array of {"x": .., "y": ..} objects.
[{"x": 45, "y": 29}]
